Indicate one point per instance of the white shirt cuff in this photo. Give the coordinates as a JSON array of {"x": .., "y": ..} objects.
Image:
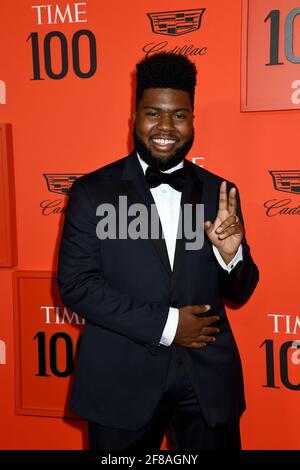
[
  {"x": 170, "y": 327},
  {"x": 229, "y": 267}
]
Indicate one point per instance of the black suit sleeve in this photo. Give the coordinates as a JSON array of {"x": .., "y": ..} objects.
[
  {"x": 238, "y": 285},
  {"x": 83, "y": 287}
]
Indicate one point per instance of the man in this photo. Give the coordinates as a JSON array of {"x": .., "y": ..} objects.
[{"x": 157, "y": 350}]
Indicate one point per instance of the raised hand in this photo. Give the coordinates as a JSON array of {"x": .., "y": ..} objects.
[{"x": 226, "y": 232}]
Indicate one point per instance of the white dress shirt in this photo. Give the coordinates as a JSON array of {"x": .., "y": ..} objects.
[{"x": 167, "y": 201}]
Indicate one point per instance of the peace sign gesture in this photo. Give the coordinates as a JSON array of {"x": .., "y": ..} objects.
[{"x": 226, "y": 232}]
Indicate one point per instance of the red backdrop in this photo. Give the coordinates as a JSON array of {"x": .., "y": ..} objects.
[{"x": 71, "y": 115}]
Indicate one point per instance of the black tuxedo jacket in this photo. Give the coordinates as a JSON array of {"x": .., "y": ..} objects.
[{"x": 124, "y": 288}]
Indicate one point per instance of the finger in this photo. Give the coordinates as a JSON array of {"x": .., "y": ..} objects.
[
  {"x": 208, "y": 226},
  {"x": 229, "y": 221},
  {"x": 207, "y": 339},
  {"x": 233, "y": 229},
  {"x": 196, "y": 345},
  {"x": 223, "y": 203},
  {"x": 232, "y": 201},
  {"x": 209, "y": 320},
  {"x": 200, "y": 308},
  {"x": 209, "y": 330}
]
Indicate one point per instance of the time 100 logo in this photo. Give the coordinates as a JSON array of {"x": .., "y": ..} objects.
[
  {"x": 42, "y": 48},
  {"x": 289, "y": 47}
]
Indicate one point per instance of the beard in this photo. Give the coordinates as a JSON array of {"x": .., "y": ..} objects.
[{"x": 157, "y": 162}]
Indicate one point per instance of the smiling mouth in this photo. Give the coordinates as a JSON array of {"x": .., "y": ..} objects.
[{"x": 163, "y": 143}]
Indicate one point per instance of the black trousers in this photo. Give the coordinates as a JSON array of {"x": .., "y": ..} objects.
[{"x": 177, "y": 414}]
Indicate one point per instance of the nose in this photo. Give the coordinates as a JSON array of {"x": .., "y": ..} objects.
[{"x": 166, "y": 122}]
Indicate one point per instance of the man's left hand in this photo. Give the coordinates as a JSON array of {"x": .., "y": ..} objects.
[{"x": 226, "y": 232}]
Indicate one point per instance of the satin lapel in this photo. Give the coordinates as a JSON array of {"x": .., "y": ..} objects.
[
  {"x": 192, "y": 194},
  {"x": 134, "y": 186}
]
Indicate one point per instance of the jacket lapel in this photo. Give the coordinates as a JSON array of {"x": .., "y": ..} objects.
[
  {"x": 134, "y": 185},
  {"x": 192, "y": 194}
]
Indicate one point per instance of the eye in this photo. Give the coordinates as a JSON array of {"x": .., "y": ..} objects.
[
  {"x": 180, "y": 116},
  {"x": 152, "y": 113}
]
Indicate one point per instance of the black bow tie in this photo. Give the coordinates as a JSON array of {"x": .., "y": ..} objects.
[{"x": 175, "y": 179}]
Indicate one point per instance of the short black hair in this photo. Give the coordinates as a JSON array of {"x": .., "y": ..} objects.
[{"x": 166, "y": 70}]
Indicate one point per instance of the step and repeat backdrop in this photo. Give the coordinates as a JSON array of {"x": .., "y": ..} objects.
[{"x": 66, "y": 104}]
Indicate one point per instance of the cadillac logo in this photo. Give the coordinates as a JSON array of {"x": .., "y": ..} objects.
[
  {"x": 175, "y": 23},
  {"x": 286, "y": 180},
  {"x": 61, "y": 183}
]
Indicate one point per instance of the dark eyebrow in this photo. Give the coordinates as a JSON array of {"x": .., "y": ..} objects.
[{"x": 161, "y": 109}]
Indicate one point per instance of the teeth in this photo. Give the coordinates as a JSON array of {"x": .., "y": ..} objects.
[{"x": 164, "y": 141}]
